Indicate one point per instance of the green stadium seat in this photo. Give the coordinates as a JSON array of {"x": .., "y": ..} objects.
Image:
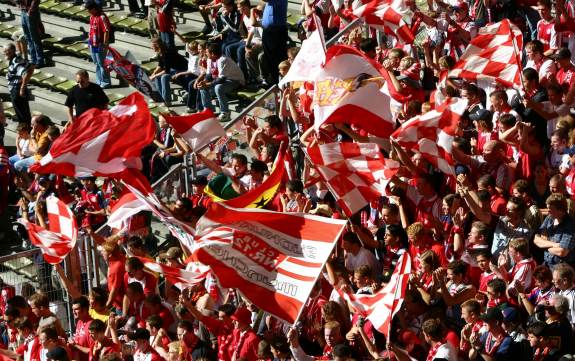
[
  {"x": 3, "y": 66},
  {"x": 78, "y": 48},
  {"x": 73, "y": 10},
  {"x": 45, "y": 5},
  {"x": 40, "y": 76},
  {"x": 114, "y": 19},
  {"x": 114, "y": 98},
  {"x": 82, "y": 15},
  {"x": 51, "y": 41},
  {"x": 193, "y": 35},
  {"x": 149, "y": 66},
  {"x": 128, "y": 22},
  {"x": 140, "y": 28},
  {"x": 8, "y": 109},
  {"x": 59, "y": 8},
  {"x": 6, "y": 30},
  {"x": 250, "y": 95},
  {"x": 52, "y": 82},
  {"x": 66, "y": 86}
]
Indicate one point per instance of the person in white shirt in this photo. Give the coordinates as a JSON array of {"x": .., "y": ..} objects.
[
  {"x": 356, "y": 255},
  {"x": 186, "y": 78},
  {"x": 563, "y": 276}
]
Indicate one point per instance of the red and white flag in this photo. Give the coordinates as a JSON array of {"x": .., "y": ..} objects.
[
  {"x": 102, "y": 142},
  {"x": 179, "y": 277},
  {"x": 347, "y": 90},
  {"x": 59, "y": 239},
  {"x": 493, "y": 55},
  {"x": 432, "y": 133},
  {"x": 198, "y": 129},
  {"x": 356, "y": 173},
  {"x": 274, "y": 259},
  {"x": 139, "y": 186},
  {"x": 385, "y": 16},
  {"x": 309, "y": 59},
  {"x": 380, "y": 308},
  {"x": 127, "y": 206}
]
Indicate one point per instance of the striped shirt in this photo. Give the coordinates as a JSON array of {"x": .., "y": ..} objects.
[{"x": 17, "y": 68}]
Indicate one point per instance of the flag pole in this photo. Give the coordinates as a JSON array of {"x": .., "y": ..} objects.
[{"x": 517, "y": 59}]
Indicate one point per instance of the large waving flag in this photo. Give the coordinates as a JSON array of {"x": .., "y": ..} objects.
[
  {"x": 102, "y": 142},
  {"x": 347, "y": 90},
  {"x": 432, "y": 133},
  {"x": 127, "y": 68},
  {"x": 59, "y": 239},
  {"x": 385, "y": 16},
  {"x": 309, "y": 59},
  {"x": 260, "y": 196},
  {"x": 356, "y": 173},
  {"x": 493, "y": 55},
  {"x": 380, "y": 308},
  {"x": 197, "y": 129},
  {"x": 274, "y": 259},
  {"x": 127, "y": 206},
  {"x": 139, "y": 186},
  {"x": 179, "y": 277}
]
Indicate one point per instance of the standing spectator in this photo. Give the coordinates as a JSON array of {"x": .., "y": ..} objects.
[
  {"x": 81, "y": 341},
  {"x": 40, "y": 305},
  {"x": 166, "y": 23},
  {"x": 84, "y": 95},
  {"x": 31, "y": 26},
  {"x": 144, "y": 351},
  {"x": 274, "y": 36},
  {"x": 98, "y": 41},
  {"x": 222, "y": 77},
  {"x": 546, "y": 28},
  {"x": 495, "y": 344},
  {"x": 18, "y": 74},
  {"x": 556, "y": 233}
]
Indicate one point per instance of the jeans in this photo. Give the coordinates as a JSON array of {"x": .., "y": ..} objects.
[
  {"x": 21, "y": 106},
  {"x": 237, "y": 51},
  {"x": 31, "y": 27},
  {"x": 13, "y": 159},
  {"x": 163, "y": 85},
  {"x": 168, "y": 39},
  {"x": 221, "y": 91},
  {"x": 102, "y": 76},
  {"x": 24, "y": 164}
]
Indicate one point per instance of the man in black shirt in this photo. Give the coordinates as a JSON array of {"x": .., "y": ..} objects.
[{"x": 85, "y": 95}]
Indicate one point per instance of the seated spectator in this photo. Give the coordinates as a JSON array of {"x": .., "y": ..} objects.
[
  {"x": 170, "y": 62},
  {"x": 39, "y": 142},
  {"x": 186, "y": 78},
  {"x": 222, "y": 77},
  {"x": 541, "y": 344},
  {"x": 228, "y": 24},
  {"x": 495, "y": 343},
  {"x": 23, "y": 144}
]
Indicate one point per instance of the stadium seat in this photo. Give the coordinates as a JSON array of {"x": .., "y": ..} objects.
[
  {"x": 40, "y": 76},
  {"x": 66, "y": 86}
]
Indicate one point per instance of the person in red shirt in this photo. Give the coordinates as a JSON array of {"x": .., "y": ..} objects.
[
  {"x": 154, "y": 305},
  {"x": 98, "y": 40},
  {"x": 420, "y": 241},
  {"x": 135, "y": 273},
  {"x": 497, "y": 202},
  {"x": 81, "y": 342},
  {"x": 144, "y": 351},
  {"x": 245, "y": 342},
  {"x": 134, "y": 303},
  {"x": 546, "y": 28},
  {"x": 158, "y": 335},
  {"x": 6, "y": 293},
  {"x": 565, "y": 76},
  {"x": 101, "y": 345},
  {"x": 116, "y": 272}
]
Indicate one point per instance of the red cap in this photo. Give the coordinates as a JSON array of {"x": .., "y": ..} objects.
[{"x": 243, "y": 315}]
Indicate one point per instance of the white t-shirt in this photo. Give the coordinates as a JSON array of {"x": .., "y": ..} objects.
[
  {"x": 362, "y": 257},
  {"x": 562, "y": 109},
  {"x": 25, "y": 147}
]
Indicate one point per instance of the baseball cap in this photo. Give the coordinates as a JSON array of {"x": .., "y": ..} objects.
[
  {"x": 140, "y": 334},
  {"x": 492, "y": 314},
  {"x": 563, "y": 53},
  {"x": 461, "y": 169},
  {"x": 58, "y": 353},
  {"x": 481, "y": 114}
]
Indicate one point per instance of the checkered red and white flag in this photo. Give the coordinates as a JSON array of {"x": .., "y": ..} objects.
[
  {"x": 432, "y": 133},
  {"x": 356, "y": 173},
  {"x": 493, "y": 55},
  {"x": 59, "y": 239},
  {"x": 179, "y": 277},
  {"x": 386, "y": 16},
  {"x": 380, "y": 308}
]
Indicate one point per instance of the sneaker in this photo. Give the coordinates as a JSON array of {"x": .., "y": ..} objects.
[
  {"x": 224, "y": 117},
  {"x": 214, "y": 33},
  {"x": 191, "y": 110}
]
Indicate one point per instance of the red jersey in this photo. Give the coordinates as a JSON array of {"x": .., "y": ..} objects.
[
  {"x": 223, "y": 331},
  {"x": 547, "y": 34},
  {"x": 115, "y": 277},
  {"x": 106, "y": 347},
  {"x": 244, "y": 345},
  {"x": 82, "y": 338},
  {"x": 148, "y": 355},
  {"x": 30, "y": 349},
  {"x": 149, "y": 282},
  {"x": 566, "y": 77},
  {"x": 98, "y": 26}
]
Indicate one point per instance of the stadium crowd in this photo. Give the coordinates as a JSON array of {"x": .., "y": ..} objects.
[{"x": 492, "y": 247}]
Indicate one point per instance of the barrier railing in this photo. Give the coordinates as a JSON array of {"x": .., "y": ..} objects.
[{"x": 28, "y": 273}]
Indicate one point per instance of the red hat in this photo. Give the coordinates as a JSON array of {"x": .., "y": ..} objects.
[
  {"x": 408, "y": 337},
  {"x": 243, "y": 315}
]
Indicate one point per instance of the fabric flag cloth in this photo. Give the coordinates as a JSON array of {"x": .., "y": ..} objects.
[
  {"x": 261, "y": 195},
  {"x": 177, "y": 276},
  {"x": 197, "y": 129},
  {"x": 494, "y": 55},
  {"x": 380, "y": 308},
  {"x": 127, "y": 206},
  {"x": 356, "y": 173},
  {"x": 59, "y": 239},
  {"x": 383, "y": 15},
  {"x": 139, "y": 186},
  {"x": 309, "y": 59},
  {"x": 274, "y": 259},
  {"x": 96, "y": 144},
  {"x": 127, "y": 68},
  {"x": 432, "y": 133},
  {"x": 347, "y": 90}
]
